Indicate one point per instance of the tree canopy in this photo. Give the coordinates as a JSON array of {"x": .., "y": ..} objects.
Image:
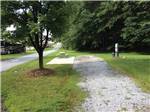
[
  {"x": 35, "y": 21},
  {"x": 99, "y": 25}
]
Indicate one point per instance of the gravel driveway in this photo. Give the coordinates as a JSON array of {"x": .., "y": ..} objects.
[{"x": 108, "y": 90}]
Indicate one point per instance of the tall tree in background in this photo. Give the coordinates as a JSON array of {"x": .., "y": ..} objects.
[
  {"x": 137, "y": 25},
  {"x": 35, "y": 21},
  {"x": 99, "y": 25},
  {"x": 96, "y": 24}
]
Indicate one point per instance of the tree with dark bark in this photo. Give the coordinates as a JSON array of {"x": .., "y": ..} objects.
[{"x": 35, "y": 21}]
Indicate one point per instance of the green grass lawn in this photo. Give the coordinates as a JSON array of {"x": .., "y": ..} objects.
[
  {"x": 11, "y": 56},
  {"x": 54, "y": 93}
]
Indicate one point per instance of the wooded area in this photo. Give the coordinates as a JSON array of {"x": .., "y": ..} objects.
[{"x": 99, "y": 25}]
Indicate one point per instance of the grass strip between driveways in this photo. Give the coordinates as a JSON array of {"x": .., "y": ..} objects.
[{"x": 12, "y": 56}]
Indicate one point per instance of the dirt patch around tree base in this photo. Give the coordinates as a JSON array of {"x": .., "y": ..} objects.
[{"x": 40, "y": 72}]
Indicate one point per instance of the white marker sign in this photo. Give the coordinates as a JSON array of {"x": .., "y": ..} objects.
[{"x": 116, "y": 47}]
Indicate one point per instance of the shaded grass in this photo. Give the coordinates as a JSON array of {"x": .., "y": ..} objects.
[{"x": 54, "y": 93}]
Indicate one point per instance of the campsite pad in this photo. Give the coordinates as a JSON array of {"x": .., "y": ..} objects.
[{"x": 57, "y": 60}]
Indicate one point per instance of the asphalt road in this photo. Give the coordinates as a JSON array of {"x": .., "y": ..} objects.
[{"x": 7, "y": 64}]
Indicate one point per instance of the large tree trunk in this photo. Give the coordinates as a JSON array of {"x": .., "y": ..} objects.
[{"x": 41, "y": 60}]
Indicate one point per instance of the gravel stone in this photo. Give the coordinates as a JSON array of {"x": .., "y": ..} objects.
[{"x": 109, "y": 91}]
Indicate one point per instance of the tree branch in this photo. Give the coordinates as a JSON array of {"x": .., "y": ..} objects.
[
  {"x": 37, "y": 41},
  {"x": 46, "y": 40},
  {"x": 33, "y": 43},
  {"x": 41, "y": 35}
]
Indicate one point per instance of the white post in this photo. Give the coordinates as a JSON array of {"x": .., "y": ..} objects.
[
  {"x": 116, "y": 50},
  {"x": 116, "y": 47}
]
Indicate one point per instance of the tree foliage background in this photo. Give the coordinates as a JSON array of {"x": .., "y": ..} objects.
[
  {"x": 35, "y": 22},
  {"x": 86, "y": 25},
  {"x": 99, "y": 25}
]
